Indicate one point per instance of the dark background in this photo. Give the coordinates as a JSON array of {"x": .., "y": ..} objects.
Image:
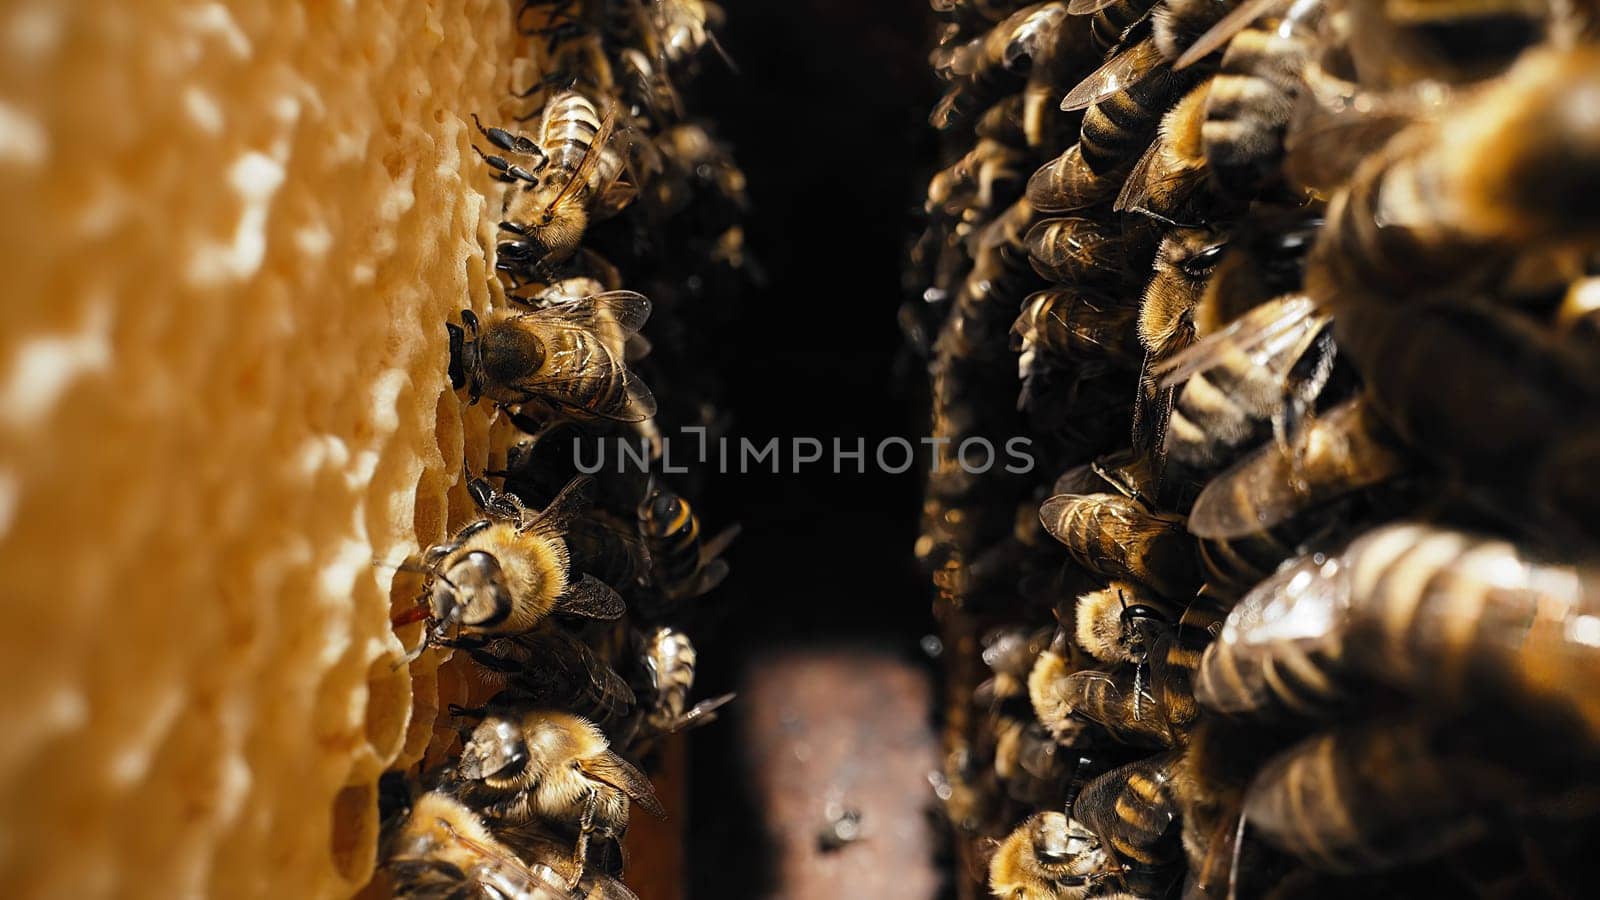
[{"x": 828, "y": 117}]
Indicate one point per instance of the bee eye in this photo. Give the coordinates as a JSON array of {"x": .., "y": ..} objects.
[
  {"x": 1054, "y": 855},
  {"x": 514, "y": 249},
  {"x": 1203, "y": 262}
]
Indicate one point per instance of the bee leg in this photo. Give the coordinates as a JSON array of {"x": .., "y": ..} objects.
[
  {"x": 505, "y": 170},
  {"x": 560, "y": 9},
  {"x": 580, "y": 851},
  {"x": 505, "y": 140}
]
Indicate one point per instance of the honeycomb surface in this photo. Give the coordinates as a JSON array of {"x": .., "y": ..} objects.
[{"x": 232, "y": 235}]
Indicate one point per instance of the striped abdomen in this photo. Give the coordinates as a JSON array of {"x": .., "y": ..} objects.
[
  {"x": 1375, "y": 796},
  {"x": 1132, "y": 809},
  {"x": 1114, "y": 536},
  {"x": 1074, "y": 325},
  {"x": 1108, "y": 25},
  {"x": 580, "y": 372},
  {"x": 567, "y": 132},
  {"x": 1117, "y": 129},
  {"x": 671, "y": 531}
]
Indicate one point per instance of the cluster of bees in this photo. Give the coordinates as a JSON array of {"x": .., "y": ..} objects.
[
  {"x": 569, "y": 595},
  {"x": 1294, "y": 299}
]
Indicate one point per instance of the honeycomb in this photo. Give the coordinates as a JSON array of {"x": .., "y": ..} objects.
[{"x": 233, "y": 233}]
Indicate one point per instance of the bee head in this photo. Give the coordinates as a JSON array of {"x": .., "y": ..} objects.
[
  {"x": 660, "y": 509},
  {"x": 465, "y": 360},
  {"x": 1060, "y": 841},
  {"x": 1139, "y": 625},
  {"x": 472, "y": 590},
  {"x": 496, "y": 753}
]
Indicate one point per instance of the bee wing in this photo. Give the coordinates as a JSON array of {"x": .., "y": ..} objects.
[
  {"x": 1147, "y": 176},
  {"x": 1269, "y": 487},
  {"x": 609, "y": 768},
  {"x": 1265, "y": 334},
  {"x": 1152, "y": 411},
  {"x": 503, "y": 872},
  {"x": 1229, "y": 25},
  {"x": 569, "y": 504},
  {"x": 603, "y": 887},
  {"x": 583, "y": 676},
  {"x": 611, "y": 312},
  {"x": 591, "y": 158},
  {"x": 719, "y": 545},
  {"x": 538, "y": 882},
  {"x": 1087, "y": 7},
  {"x": 710, "y": 575},
  {"x": 1121, "y": 72},
  {"x": 591, "y": 598},
  {"x": 572, "y": 384},
  {"x": 1085, "y": 682},
  {"x": 703, "y": 713}
]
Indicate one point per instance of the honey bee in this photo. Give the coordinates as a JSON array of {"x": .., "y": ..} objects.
[
  {"x": 1383, "y": 793},
  {"x": 1509, "y": 625},
  {"x": 574, "y": 176},
  {"x": 683, "y": 565},
  {"x": 981, "y": 69},
  {"x": 1252, "y": 98},
  {"x": 608, "y": 548},
  {"x": 1258, "y": 377},
  {"x": 1050, "y": 703},
  {"x": 1009, "y": 652},
  {"x": 1048, "y": 857},
  {"x": 1184, "y": 262},
  {"x": 539, "y": 465},
  {"x": 1068, "y": 184},
  {"x": 504, "y": 574},
  {"x": 669, "y": 660},
  {"x": 1110, "y": 19},
  {"x": 684, "y": 27},
  {"x": 1461, "y": 198},
  {"x": 441, "y": 850},
  {"x": 1117, "y": 537},
  {"x": 1124, "y": 99},
  {"x": 650, "y": 88},
  {"x": 1208, "y": 785},
  {"x": 1173, "y": 181},
  {"x": 1075, "y": 250},
  {"x": 552, "y": 855},
  {"x": 1120, "y": 624},
  {"x": 549, "y": 668},
  {"x": 559, "y": 357},
  {"x": 1123, "y": 102},
  {"x": 1341, "y": 452},
  {"x": 1132, "y": 809},
  {"x": 552, "y": 768},
  {"x": 1027, "y": 762},
  {"x": 985, "y": 180},
  {"x": 1077, "y": 325},
  {"x": 1179, "y": 24},
  {"x": 1008, "y": 47},
  {"x": 1147, "y": 704}
]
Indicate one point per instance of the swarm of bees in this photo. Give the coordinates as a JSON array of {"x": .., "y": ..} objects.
[
  {"x": 1293, "y": 299},
  {"x": 567, "y": 602}
]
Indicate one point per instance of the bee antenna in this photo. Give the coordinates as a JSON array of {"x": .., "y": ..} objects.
[{"x": 404, "y": 565}]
